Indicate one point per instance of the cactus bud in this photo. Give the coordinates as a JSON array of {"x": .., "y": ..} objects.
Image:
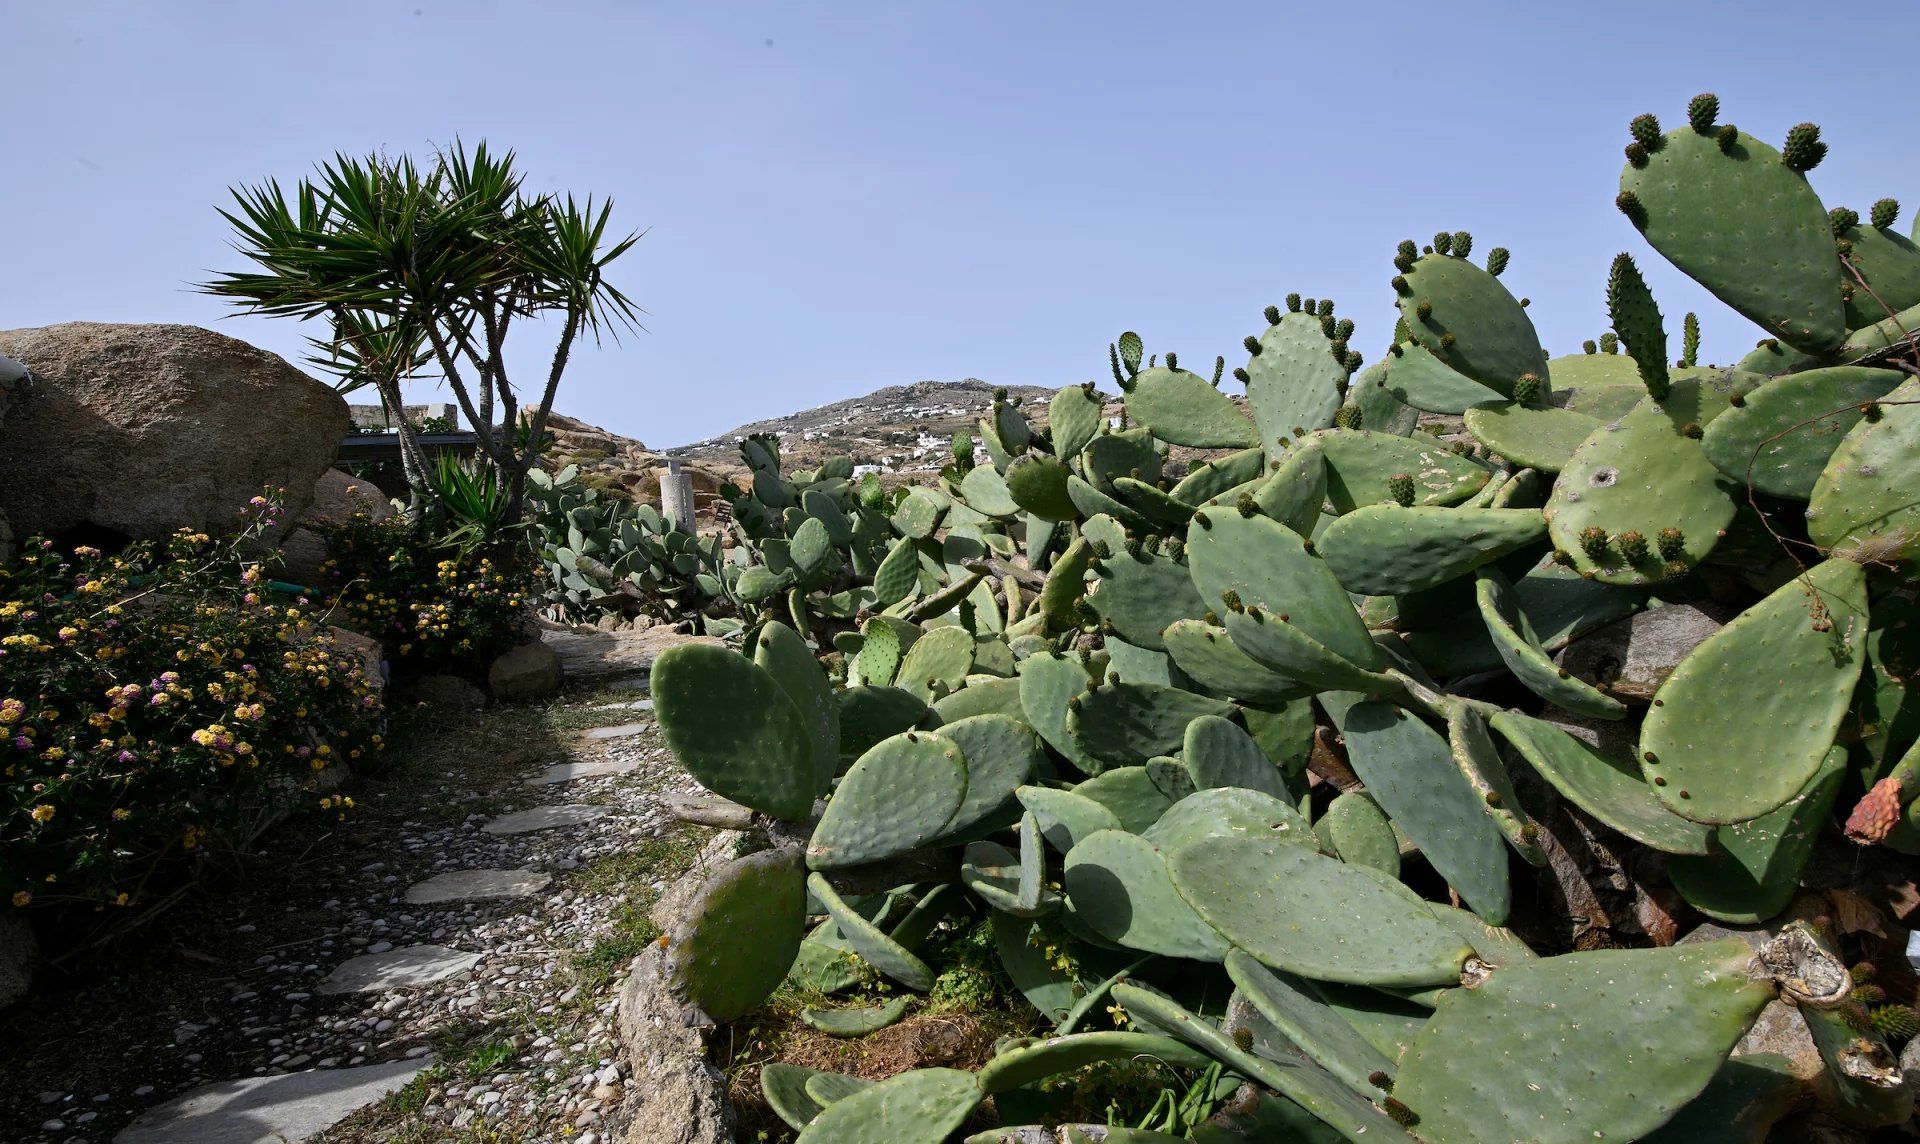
[
  {"x": 1407, "y": 249},
  {"x": 1241, "y": 375},
  {"x": 1273, "y": 315},
  {"x": 1443, "y": 242},
  {"x": 1593, "y": 541},
  {"x": 1343, "y": 328},
  {"x": 999, "y": 395},
  {"x": 1462, "y": 244},
  {"x": 1211, "y": 617},
  {"x": 1737, "y": 400},
  {"x": 1353, "y": 361},
  {"x": 1842, "y": 219},
  {"x": 1401, "y": 1114},
  {"x": 1326, "y": 307},
  {"x": 1497, "y": 261},
  {"x": 1219, "y": 367},
  {"x": 1493, "y": 799},
  {"x": 1702, "y": 110},
  {"x": 1201, "y": 519},
  {"x": 1348, "y": 417},
  {"x": 1447, "y": 339},
  {"x": 1102, "y": 550},
  {"x": 1637, "y": 154},
  {"x": 1692, "y": 430},
  {"x": 1589, "y": 346},
  {"x": 1231, "y": 599},
  {"x": 1864, "y": 972},
  {"x": 1646, "y": 131},
  {"x": 1326, "y": 325},
  {"x": 1253, "y": 345},
  {"x": 1243, "y": 1038},
  {"x": 1632, "y": 545},
  {"x": 1173, "y": 360},
  {"x": 1400, "y": 488},
  {"x": 1133, "y": 547},
  {"x": 1380, "y": 1080},
  {"x": 1293, "y": 303},
  {"x": 1609, "y": 343},
  {"x": 1400, "y": 286},
  {"x": 1629, "y": 204},
  {"x": 1728, "y": 137},
  {"x": 1527, "y": 390},
  {"x": 1869, "y": 994},
  {"x": 1564, "y": 559},
  {"x": 1900, "y": 1021},
  {"x": 1423, "y": 310},
  {"x": 1675, "y": 570},
  {"x": 1689, "y": 340},
  {"x": 1871, "y": 411},
  {"x": 1530, "y": 833},
  {"x": 1310, "y": 307},
  {"x": 1884, "y": 213},
  {"x": 1803, "y": 150},
  {"x": 1403, "y": 263},
  {"x": 1245, "y": 506},
  {"x": 1672, "y": 542}
]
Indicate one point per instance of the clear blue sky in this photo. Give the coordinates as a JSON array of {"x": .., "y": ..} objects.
[{"x": 843, "y": 196}]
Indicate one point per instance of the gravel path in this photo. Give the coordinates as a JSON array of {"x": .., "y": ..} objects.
[{"x": 520, "y": 1029}]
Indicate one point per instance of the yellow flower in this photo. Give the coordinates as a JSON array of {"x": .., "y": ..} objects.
[
  {"x": 42, "y": 813},
  {"x": 21, "y": 897},
  {"x": 120, "y": 899},
  {"x": 121, "y": 814}
]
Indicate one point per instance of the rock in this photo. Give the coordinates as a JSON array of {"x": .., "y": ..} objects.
[
  {"x": 684, "y": 1099},
  {"x": 373, "y": 665},
  {"x": 525, "y": 674},
  {"x": 1630, "y": 658},
  {"x": 269, "y": 1109},
  {"x": 623, "y": 731},
  {"x": 544, "y": 818},
  {"x": 586, "y": 655},
  {"x": 448, "y": 691},
  {"x": 568, "y": 772},
  {"x": 337, "y": 496},
  {"x": 398, "y": 969},
  {"x": 19, "y": 953},
  {"x": 474, "y": 885},
  {"x": 144, "y": 429}
]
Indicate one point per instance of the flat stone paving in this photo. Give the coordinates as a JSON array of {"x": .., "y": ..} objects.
[
  {"x": 271, "y": 1109},
  {"x": 545, "y": 818},
  {"x": 397, "y": 969},
  {"x": 623, "y": 731},
  {"x": 476, "y": 885},
  {"x": 568, "y": 772}
]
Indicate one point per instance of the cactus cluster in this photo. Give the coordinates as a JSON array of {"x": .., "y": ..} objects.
[{"x": 1267, "y": 762}]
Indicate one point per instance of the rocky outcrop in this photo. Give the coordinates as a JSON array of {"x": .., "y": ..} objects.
[
  {"x": 139, "y": 430},
  {"x": 613, "y": 462},
  {"x": 336, "y": 497},
  {"x": 525, "y": 674}
]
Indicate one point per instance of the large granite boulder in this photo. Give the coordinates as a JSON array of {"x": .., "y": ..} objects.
[
  {"x": 143, "y": 429},
  {"x": 336, "y": 497}
]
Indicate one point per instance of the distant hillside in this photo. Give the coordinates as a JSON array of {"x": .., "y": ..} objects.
[{"x": 902, "y": 428}]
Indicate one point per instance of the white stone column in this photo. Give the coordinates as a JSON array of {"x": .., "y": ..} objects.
[{"x": 676, "y": 496}]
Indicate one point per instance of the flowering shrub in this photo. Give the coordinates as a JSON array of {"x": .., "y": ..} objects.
[
  {"x": 434, "y": 606},
  {"x": 156, "y": 708}
]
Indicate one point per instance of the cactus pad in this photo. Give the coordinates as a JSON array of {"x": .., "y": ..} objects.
[
  {"x": 856, "y": 1021},
  {"x": 1128, "y": 723},
  {"x": 1513, "y": 1059},
  {"x": 1208, "y": 657},
  {"x": 1038, "y": 484},
  {"x": 1001, "y": 754},
  {"x": 1228, "y": 810},
  {"x": 1323, "y": 1035},
  {"x": 1294, "y": 382},
  {"x": 1050, "y": 1056},
  {"x": 869, "y": 941},
  {"x": 1180, "y": 408},
  {"x": 1784, "y": 432},
  {"x": 1219, "y": 754},
  {"x": 1074, "y": 416},
  {"x": 1611, "y": 790},
  {"x": 1119, "y": 886},
  {"x": 786, "y": 657},
  {"x": 731, "y": 725},
  {"x": 1513, "y": 637},
  {"x": 1864, "y": 498},
  {"x": 1264, "y": 563},
  {"x": 1355, "y": 828},
  {"x": 1745, "y": 719},
  {"x": 1140, "y": 595},
  {"x": 1539, "y": 438},
  {"x": 1066, "y": 819},
  {"x": 1048, "y": 683},
  {"x": 985, "y": 491},
  {"x": 1755, "y": 870},
  {"x": 899, "y": 795},
  {"x": 1388, "y": 550},
  {"x": 734, "y": 943},
  {"x": 1422, "y": 381},
  {"x": 1204, "y": 482},
  {"x": 925, "y": 1104},
  {"x": 1478, "y": 758},
  {"x": 1361, "y": 465},
  {"x": 1293, "y": 493},
  {"x": 1466, "y": 318},
  {"x": 941, "y": 657},
  {"x": 1296, "y": 910}
]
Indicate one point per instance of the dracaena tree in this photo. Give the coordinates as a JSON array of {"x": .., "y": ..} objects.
[{"x": 423, "y": 269}]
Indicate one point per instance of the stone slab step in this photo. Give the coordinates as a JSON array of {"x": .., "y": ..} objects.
[
  {"x": 568, "y": 772},
  {"x": 475, "y": 885},
  {"x": 623, "y": 731},
  {"x": 398, "y": 969},
  {"x": 269, "y": 1109},
  {"x": 545, "y": 818}
]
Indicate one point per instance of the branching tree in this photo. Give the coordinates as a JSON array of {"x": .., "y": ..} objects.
[{"x": 423, "y": 270}]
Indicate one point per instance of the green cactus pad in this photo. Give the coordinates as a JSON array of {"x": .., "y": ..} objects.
[
  {"x": 1322, "y": 1034},
  {"x": 1090, "y": 502},
  {"x": 899, "y": 795},
  {"x": 918, "y": 514},
  {"x": 1641, "y": 474},
  {"x": 925, "y": 1104},
  {"x": 898, "y": 574},
  {"x": 1050, "y": 1056},
  {"x": 1152, "y": 502},
  {"x": 1864, "y": 498},
  {"x": 943, "y": 656},
  {"x": 870, "y": 714},
  {"x": 1294, "y": 383},
  {"x": 810, "y": 549},
  {"x": 758, "y": 582},
  {"x": 785, "y": 1088},
  {"x": 734, "y": 943},
  {"x": 1066, "y": 819},
  {"x": 1784, "y": 433},
  {"x": 1494, "y": 945},
  {"x": 1065, "y": 585},
  {"x": 1291, "y": 653},
  {"x": 1180, "y": 408},
  {"x": 1047, "y": 683},
  {"x": 1863, "y": 1083},
  {"x": 1755, "y": 870},
  {"x": 1219, "y": 754},
  {"x": 1466, "y": 318},
  {"x": 1409, "y": 770},
  {"x": 1293, "y": 493},
  {"x": 1741, "y": 223},
  {"x": 1119, "y": 886},
  {"x": 1380, "y": 409},
  {"x": 1355, "y": 828},
  {"x": 784, "y": 655},
  {"x": 1074, "y": 416},
  {"x": 1301, "y": 1081},
  {"x": 1540, "y": 438},
  {"x": 1208, "y": 657},
  {"x": 878, "y": 660},
  {"x": 1515, "y": 1058},
  {"x": 1478, "y": 758},
  {"x": 830, "y": 1088},
  {"x": 730, "y": 723},
  {"x": 1891, "y": 265},
  {"x": 1264, "y": 563},
  {"x": 1125, "y": 723},
  {"x": 1206, "y": 481},
  {"x": 1297, "y": 910},
  {"x": 856, "y": 1021},
  {"x": 1609, "y": 789},
  {"x": 1137, "y": 796},
  {"x": 1520, "y": 649},
  {"x": 1140, "y": 595},
  {"x": 1745, "y": 719},
  {"x": 1001, "y": 754},
  {"x": 869, "y": 941},
  {"x": 985, "y": 491},
  {"x": 1122, "y": 453},
  {"x": 1228, "y": 810},
  {"x": 997, "y": 877},
  {"x": 1387, "y": 550},
  {"x": 1361, "y": 465},
  {"x": 1038, "y": 484},
  {"x": 1422, "y": 381}
]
